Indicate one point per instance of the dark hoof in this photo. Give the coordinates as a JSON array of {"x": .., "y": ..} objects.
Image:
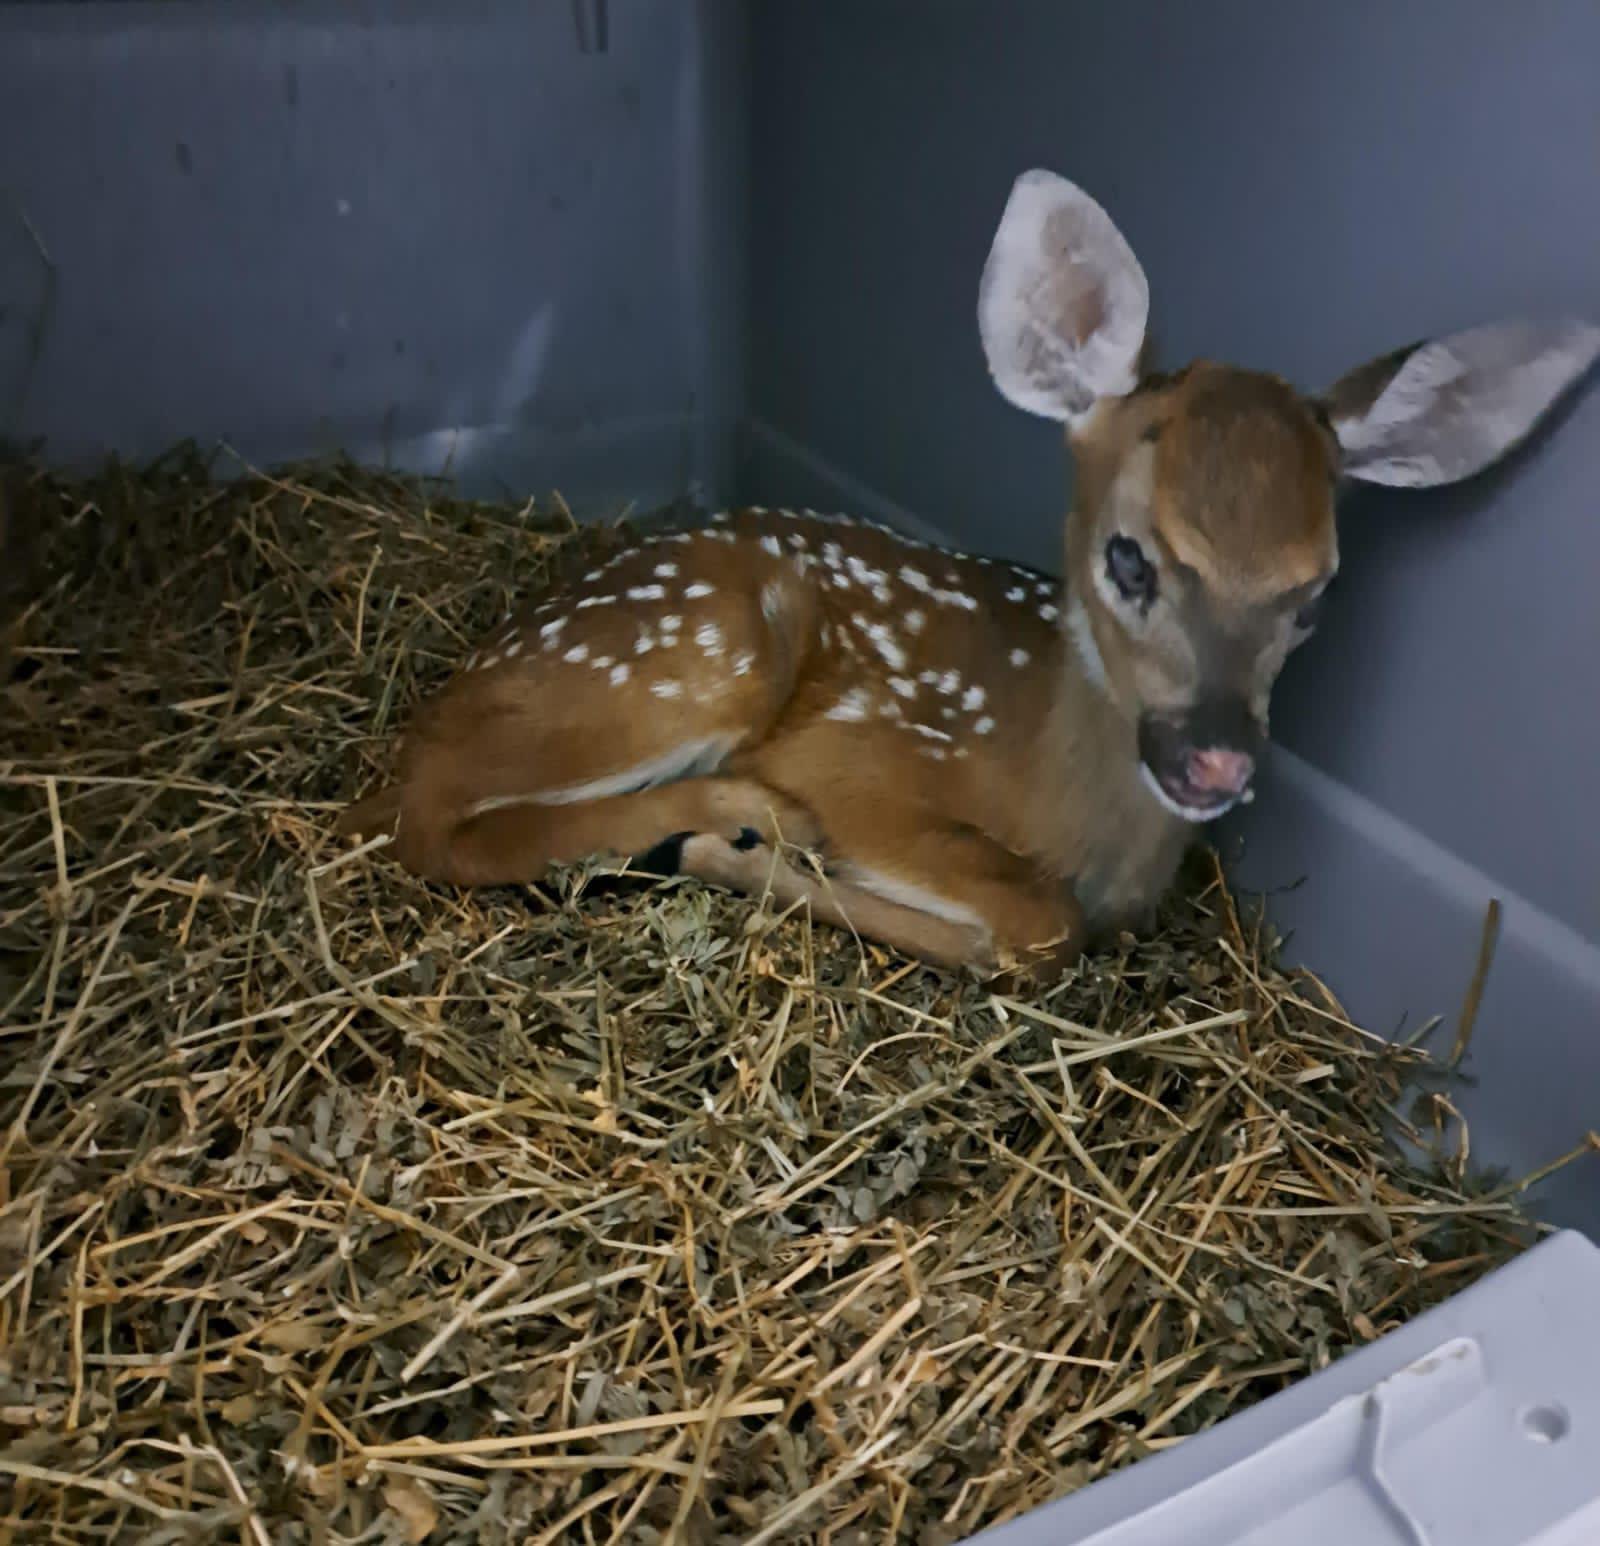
[{"x": 666, "y": 858}]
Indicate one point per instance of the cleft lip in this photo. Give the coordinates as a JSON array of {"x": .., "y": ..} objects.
[
  {"x": 1200, "y": 763},
  {"x": 1184, "y": 800}
]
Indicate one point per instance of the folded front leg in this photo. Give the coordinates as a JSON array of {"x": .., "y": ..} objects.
[{"x": 952, "y": 898}]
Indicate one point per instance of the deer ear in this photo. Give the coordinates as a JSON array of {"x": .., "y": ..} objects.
[
  {"x": 1063, "y": 303},
  {"x": 1440, "y": 411}
]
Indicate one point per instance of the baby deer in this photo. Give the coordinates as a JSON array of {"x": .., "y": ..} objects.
[{"x": 992, "y": 765}]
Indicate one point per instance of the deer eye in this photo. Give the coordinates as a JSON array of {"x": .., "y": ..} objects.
[{"x": 1130, "y": 571}]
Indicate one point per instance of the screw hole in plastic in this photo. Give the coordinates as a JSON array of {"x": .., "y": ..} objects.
[{"x": 1546, "y": 1424}]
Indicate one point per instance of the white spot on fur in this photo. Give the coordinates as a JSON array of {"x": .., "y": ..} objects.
[
  {"x": 666, "y": 571},
  {"x": 865, "y": 573},
  {"x": 771, "y": 600},
  {"x": 1020, "y": 658},
  {"x": 577, "y": 654},
  {"x": 643, "y": 644},
  {"x": 601, "y": 662},
  {"x": 671, "y": 623},
  {"x": 472, "y": 662},
  {"x": 1049, "y": 613},
  {"x": 620, "y": 674},
  {"x": 930, "y": 733},
  {"x": 513, "y": 649},
  {"x": 796, "y": 541},
  {"x": 950, "y": 683},
  {"x": 743, "y": 663},
  {"x": 666, "y": 689},
  {"x": 769, "y": 544},
  {"x": 647, "y": 593},
  {"x": 972, "y": 699},
  {"x": 900, "y": 685},
  {"x": 1044, "y": 588},
  {"x": 709, "y": 637},
  {"x": 883, "y": 640},
  {"x": 855, "y": 705},
  {"x": 697, "y": 590},
  {"x": 550, "y": 630},
  {"x": 592, "y": 576},
  {"x": 914, "y": 621},
  {"x": 917, "y": 580},
  {"x": 595, "y": 601},
  {"x": 983, "y": 726},
  {"x": 1016, "y": 593}
]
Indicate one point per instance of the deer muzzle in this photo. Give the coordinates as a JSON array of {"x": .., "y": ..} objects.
[{"x": 1199, "y": 763}]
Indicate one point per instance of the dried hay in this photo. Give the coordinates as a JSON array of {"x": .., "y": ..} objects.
[{"x": 334, "y": 1206}]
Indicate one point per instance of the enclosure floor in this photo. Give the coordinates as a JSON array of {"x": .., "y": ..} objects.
[{"x": 336, "y": 1206}]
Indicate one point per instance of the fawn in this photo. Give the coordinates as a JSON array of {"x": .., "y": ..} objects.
[{"x": 993, "y": 766}]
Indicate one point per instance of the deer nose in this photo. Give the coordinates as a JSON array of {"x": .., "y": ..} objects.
[{"x": 1219, "y": 770}]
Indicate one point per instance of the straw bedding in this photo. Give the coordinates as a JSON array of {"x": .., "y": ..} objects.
[{"x": 337, "y": 1207}]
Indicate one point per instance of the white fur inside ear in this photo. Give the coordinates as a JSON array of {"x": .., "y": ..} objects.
[
  {"x": 1460, "y": 403},
  {"x": 1063, "y": 303}
]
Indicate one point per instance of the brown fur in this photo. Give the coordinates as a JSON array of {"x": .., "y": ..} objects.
[{"x": 1244, "y": 483}]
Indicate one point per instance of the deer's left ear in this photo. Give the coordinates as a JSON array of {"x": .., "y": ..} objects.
[{"x": 1440, "y": 411}]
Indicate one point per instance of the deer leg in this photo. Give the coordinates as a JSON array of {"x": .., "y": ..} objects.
[
  {"x": 924, "y": 936},
  {"x": 516, "y": 840},
  {"x": 1029, "y": 922},
  {"x": 1022, "y": 919},
  {"x": 892, "y": 843},
  {"x": 987, "y": 908}
]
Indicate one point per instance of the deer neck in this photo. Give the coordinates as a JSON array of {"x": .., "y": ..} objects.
[{"x": 1090, "y": 817}]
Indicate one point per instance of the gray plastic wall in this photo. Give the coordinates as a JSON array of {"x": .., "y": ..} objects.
[
  {"x": 654, "y": 247},
  {"x": 505, "y": 236}
]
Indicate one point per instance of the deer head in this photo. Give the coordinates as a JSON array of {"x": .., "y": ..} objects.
[{"x": 1203, "y": 533}]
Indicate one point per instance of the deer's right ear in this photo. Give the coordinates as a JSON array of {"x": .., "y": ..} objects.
[{"x": 1063, "y": 304}]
